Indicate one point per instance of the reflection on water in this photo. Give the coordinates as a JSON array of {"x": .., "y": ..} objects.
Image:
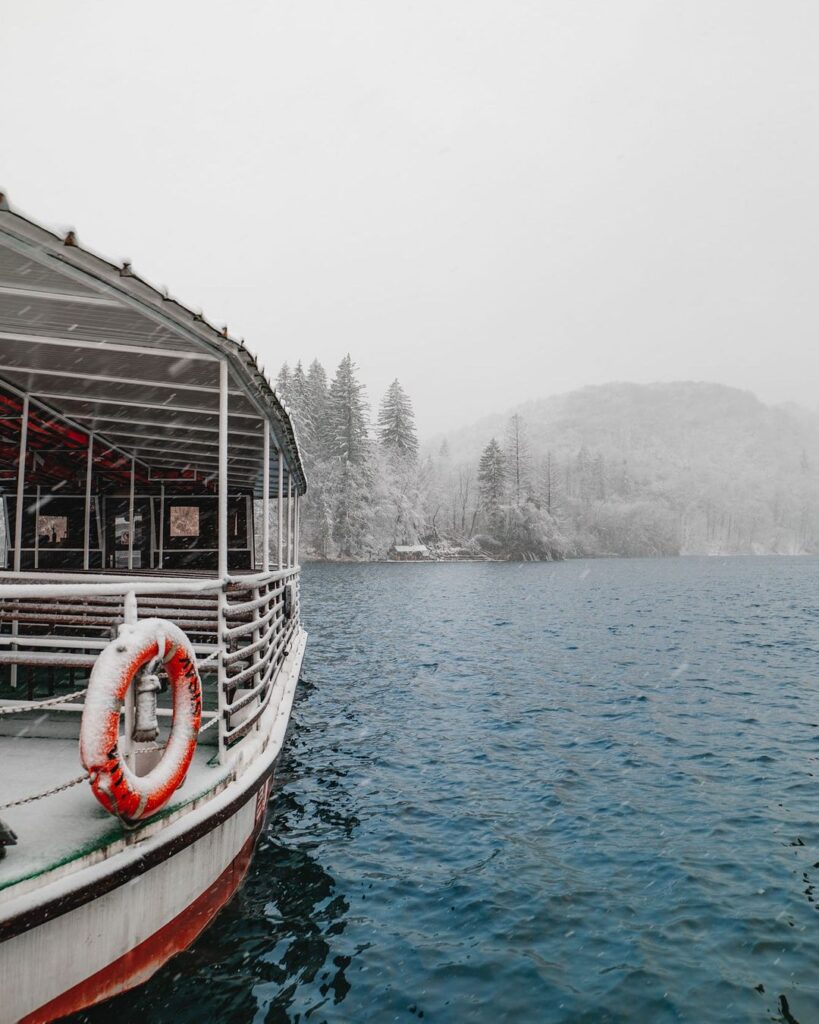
[{"x": 581, "y": 792}]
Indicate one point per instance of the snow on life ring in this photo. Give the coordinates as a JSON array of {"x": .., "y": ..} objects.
[{"x": 133, "y": 797}]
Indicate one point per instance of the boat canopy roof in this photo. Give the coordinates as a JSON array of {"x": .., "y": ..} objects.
[{"x": 106, "y": 352}]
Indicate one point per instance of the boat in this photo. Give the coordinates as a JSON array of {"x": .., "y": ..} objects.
[{"x": 150, "y": 634}]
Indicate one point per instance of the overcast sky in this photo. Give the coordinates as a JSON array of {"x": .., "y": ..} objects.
[{"x": 492, "y": 200}]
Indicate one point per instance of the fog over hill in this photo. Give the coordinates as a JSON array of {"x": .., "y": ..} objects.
[
  {"x": 618, "y": 469},
  {"x": 704, "y": 468}
]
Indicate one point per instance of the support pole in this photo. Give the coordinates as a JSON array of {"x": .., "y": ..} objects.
[
  {"x": 223, "y": 469},
  {"x": 280, "y": 508},
  {"x": 152, "y": 531},
  {"x": 18, "y": 515},
  {"x": 131, "y": 518},
  {"x": 161, "y": 523},
  {"x": 100, "y": 531},
  {"x": 126, "y": 743},
  {"x": 21, "y": 482},
  {"x": 289, "y": 519},
  {"x": 86, "y": 536},
  {"x": 298, "y": 530},
  {"x": 221, "y": 677},
  {"x": 266, "y": 499},
  {"x": 37, "y": 530}
]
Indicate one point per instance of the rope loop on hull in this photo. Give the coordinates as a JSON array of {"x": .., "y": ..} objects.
[{"x": 129, "y": 796}]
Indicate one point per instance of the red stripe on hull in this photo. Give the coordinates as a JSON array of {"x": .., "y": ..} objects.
[{"x": 139, "y": 964}]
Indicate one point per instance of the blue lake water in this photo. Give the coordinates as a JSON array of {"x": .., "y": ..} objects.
[{"x": 576, "y": 792}]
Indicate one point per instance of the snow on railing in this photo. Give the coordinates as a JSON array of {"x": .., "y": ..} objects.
[{"x": 240, "y": 628}]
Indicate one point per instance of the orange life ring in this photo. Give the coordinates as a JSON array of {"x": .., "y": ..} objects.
[{"x": 133, "y": 797}]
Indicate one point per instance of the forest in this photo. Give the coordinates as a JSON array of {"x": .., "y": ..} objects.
[{"x": 616, "y": 470}]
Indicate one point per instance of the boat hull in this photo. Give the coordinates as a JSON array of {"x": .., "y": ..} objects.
[
  {"x": 108, "y": 928},
  {"x": 115, "y": 934}
]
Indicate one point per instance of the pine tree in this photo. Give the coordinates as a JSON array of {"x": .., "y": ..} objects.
[
  {"x": 492, "y": 483},
  {"x": 298, "y": 399},
  {"x": 283, "y": 383},
  {"x": 318, "y": 395},
  {"x": 347, "y": 415},
  {"x": 298, "y": 387},
  {"x": 352, "y": 511},
  {"x": 396, "y": 424}
]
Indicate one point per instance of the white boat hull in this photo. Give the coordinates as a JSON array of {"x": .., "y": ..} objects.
[{"x": 109, "y": 926}]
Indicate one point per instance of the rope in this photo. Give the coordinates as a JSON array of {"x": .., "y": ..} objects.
[
  {"x": 32, "y": 705},
  {"x": 80, "y": 778},
  {"x": 48, "y": 792}
]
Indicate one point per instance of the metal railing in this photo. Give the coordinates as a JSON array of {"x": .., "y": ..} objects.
[{"x": 241, "y": 629}]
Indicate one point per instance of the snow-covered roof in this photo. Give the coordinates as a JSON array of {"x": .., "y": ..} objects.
[
  {"x": 111, "y": 354},
  {"x": 411, "y": 549}
]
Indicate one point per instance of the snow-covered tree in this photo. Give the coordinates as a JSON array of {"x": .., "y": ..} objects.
[
  {"x": 283, "y": 383},
  {"x": 351, "y": 487},
  {"x": 348, "y": 458},
  {"x": 396, "y": 423},
  {"x": 348, "y": 435},
  {"x": 298, "y": 387},
  {"x": 298, "y": 400},
  {"x": 317, "y": 392},
  {"x": 492, "y": 483}
]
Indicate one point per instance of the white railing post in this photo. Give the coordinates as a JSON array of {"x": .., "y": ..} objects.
[
  {"x": 266, "y": 499},
  {"x": 86, "y": 538}
]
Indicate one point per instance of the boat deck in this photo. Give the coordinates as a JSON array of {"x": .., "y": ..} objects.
[{"x": 61, "y": 828}]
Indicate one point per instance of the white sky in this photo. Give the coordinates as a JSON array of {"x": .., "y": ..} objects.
[{"x": 493, "y": 200}]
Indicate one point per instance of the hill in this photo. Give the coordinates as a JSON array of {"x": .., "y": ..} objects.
[{"x": 664, "y": 468}]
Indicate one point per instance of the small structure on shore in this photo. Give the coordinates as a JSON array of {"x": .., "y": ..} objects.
[{"x": 409, "y": 552}]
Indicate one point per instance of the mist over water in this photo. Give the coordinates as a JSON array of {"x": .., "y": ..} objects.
[{"x": 580, "y": 791}]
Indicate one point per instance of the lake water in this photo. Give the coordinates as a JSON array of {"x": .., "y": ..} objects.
[{"x": 576, "y": 792}]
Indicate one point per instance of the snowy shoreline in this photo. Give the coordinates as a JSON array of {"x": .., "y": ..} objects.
[{"x": 545, "y": 561}]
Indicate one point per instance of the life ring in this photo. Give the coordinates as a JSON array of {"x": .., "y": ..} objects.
[{"x": 133, "y": 797}]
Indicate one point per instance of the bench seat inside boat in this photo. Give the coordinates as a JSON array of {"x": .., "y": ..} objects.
[{"x": 69, "y": 825}]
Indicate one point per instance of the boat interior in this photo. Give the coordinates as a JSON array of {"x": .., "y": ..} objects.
[{"x": 147, "y": 468}]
